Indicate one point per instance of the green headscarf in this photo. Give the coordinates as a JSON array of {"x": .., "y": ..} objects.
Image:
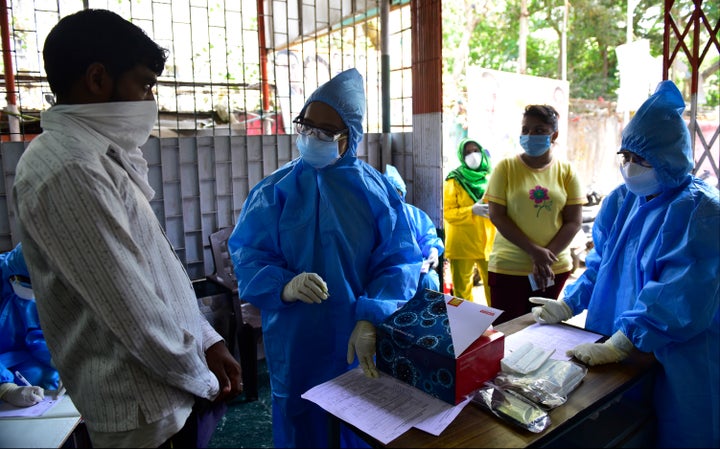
[{"x": 473, "y": 181}]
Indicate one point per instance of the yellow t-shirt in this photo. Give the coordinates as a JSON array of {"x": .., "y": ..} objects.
[{"x": 534, "y": 199}]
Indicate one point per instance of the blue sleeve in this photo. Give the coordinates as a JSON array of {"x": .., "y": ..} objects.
[
  {"x": 424, "y": 230},
  {"x": 255, "y": 252},
  {"x": 577, "y": 295},
  {"x": 682, "y": 290},
  {"x": 395, "y": 264},
  {"x": 5, "y": 375}
]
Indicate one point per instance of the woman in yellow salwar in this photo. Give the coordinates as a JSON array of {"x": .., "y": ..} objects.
[{"x": 469, "y": 234}]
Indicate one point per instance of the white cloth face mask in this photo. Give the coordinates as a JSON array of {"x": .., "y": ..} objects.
[{"x": 126, "y": 123}]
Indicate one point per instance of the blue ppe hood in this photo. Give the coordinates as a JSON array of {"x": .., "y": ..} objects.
[
  {"x": 393, "y": 175},
  {"x": 346, "y": 94},
  {"x": 658, "y": 133}
]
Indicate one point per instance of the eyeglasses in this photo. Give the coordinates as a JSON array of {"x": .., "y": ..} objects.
[
  {"x": 323, "y": 134},
  {"x": 627, "y": 156}
]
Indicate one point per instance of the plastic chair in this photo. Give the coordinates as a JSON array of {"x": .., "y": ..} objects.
[{"x": 249, "y": 324}]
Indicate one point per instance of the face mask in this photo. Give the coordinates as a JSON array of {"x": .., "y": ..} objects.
[
  {"x": 642, "y": 181},
  {"x": 473, "y": 160},
  {"x": 22, "y": 289},
  {"x": 317, "y": 153},
  {"x": 536, "y": 144},
  {"x": 126, "y": 123}
]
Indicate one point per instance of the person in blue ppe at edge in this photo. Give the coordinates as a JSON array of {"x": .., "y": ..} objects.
[
  {"x": 425, "y": 234},
  {"x": 651, "y": 282},
  {"x": 22, "y": 344},
  {"x": 326, "y": 253}
]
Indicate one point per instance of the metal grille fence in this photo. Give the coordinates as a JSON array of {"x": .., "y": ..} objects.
[{"x": 235, "y": 67}]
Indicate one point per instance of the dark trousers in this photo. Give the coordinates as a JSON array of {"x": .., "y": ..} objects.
[
  {"x": 199, "y": 427},
  {"x": 510, "y": 294}
]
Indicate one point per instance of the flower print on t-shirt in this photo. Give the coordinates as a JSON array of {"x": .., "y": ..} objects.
[{"x": 542, "y": 200}]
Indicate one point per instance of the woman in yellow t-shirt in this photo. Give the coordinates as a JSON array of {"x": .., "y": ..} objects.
[
  {"x": 468, "y": 232},
  {"x": 536, "y": 205}
]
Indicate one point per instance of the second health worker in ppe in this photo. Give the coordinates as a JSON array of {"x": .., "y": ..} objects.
[
  {"x": 326, "y": 252},
  {"x": 651, "y": 280}
]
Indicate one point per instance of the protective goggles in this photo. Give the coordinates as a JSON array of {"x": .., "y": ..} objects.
[
  {"x": 627, "y": 157},
  {"x": 323, "y": 134}
]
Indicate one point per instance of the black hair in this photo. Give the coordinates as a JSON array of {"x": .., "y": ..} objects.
[
  {"x": 544, "y": 112},
  {"x": 97, "y": 36}
]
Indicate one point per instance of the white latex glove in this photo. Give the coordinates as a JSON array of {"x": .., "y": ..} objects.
[
  {"x": 433, "y": 258},
  {"x": 21, "y": 396},
  {"x": 362, "y": 342},
  {"x": 552, "y": 310},
  {"x": 306, "y": 287},
  {"x": 615, "y": 349},
  {"x": 481, "y": 209}
]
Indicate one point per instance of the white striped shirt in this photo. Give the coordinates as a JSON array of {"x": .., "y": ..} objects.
[{"x": 116, "y": 305}]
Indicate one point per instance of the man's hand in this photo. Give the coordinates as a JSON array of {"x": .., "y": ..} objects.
[
  {"x": 615, "y": 349},
  {"x": 226, "y": 369}
]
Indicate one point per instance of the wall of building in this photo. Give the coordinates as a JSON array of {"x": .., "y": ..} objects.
[{"x": 201, "y": 183}]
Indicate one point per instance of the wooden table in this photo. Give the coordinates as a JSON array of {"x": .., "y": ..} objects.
[{"x": 593, "y": 416}]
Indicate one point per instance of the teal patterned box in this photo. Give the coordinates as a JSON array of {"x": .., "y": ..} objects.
[{"x": 415, "y": 345}]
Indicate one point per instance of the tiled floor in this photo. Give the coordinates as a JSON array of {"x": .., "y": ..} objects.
[{"x": 247, "y": 424}]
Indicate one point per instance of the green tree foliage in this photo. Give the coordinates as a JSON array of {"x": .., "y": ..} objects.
[{"x": 595, "y": 29}]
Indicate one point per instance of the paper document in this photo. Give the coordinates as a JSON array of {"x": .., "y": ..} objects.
[
  {"x": 385, "y": 407},
  {"x": 550, "y": 337},
  {"x": 39, "y": 409}
]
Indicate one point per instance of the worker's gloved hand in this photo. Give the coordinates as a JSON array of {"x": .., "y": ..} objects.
[
  {"x": 21, "y": 396},
  {"x": 615, "y": 349},
  {"x": 552, "y": 310},
  {"x": 306, "y": 287},
  {"x": 362, "y": 342},
  {"x": 433, "y": 258},
  {"x": 481, "y": 209}
]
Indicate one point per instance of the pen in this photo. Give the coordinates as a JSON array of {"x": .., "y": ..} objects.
[{"x": 22, "y": 379}]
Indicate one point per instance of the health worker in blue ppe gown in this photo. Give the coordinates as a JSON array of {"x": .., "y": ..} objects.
[
  {"x": 651, "y": 282},
  {"x": 326, "y": 253},
  {"x": 425, "y": 234},
  {"x": 22, "y": 344}
]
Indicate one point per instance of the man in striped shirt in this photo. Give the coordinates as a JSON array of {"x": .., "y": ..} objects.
[{"x": 140, "y": 362}]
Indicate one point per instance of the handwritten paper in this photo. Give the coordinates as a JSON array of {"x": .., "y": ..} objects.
[
  {"x": 383, "y": 408},
  {"x": 39, "y": 409}
]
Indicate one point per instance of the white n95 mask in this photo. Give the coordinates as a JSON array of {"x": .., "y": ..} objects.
[
  {"x": 473, "y": 160},
  {"x": 642, "y": 181}
]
